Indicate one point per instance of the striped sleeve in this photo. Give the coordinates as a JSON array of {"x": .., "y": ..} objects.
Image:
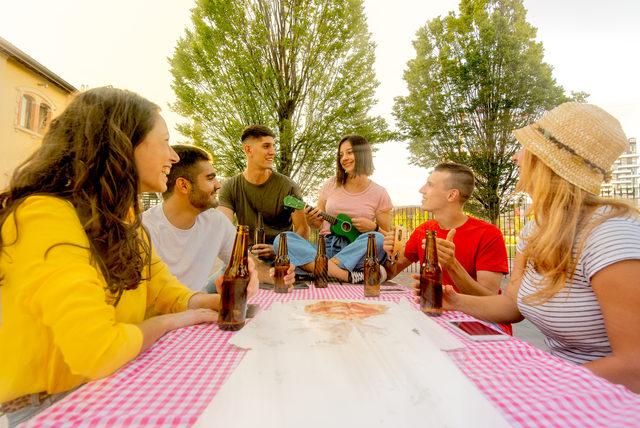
[{"x": 614, "y": 240}]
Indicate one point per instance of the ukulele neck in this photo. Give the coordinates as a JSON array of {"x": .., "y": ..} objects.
[{"x": 327, "y": 217}]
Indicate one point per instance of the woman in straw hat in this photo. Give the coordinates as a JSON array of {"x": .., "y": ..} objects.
[
  {"x": 577, "y": 268},
  {"x": 77, "y": 273}
]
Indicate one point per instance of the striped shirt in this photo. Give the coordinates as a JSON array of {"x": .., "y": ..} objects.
[{"x": 572, "y": 320}]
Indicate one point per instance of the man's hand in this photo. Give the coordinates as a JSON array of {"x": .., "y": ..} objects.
[
  {"x": 446, "y": 249},
  {"x": 252, "y": 288},
  {"x": 264, "y": 251},
  {"x": 254, "y": 283},
  {"x": 289, "y": 278},
  {"x": 388, "y": 243}
]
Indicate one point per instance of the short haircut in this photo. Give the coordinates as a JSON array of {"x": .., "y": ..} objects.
[
  {"x": 185, "y": 167},
  {"x": 361, "y": 153},
  {"x": 256, "y": 131},
  {"x": 461, "y": 178}
]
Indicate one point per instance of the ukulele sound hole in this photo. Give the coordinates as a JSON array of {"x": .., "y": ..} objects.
[{"x": 346, "y": 227}]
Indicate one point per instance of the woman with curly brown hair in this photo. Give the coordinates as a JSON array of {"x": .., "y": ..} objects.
[
  {"x": 78, "y": 276},
  {"x": 577, "y": 263}
]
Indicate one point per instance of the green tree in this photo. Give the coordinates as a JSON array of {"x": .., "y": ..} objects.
[
  {"x": 302, "y": 67},
  {"x": 476, "y": 77}
]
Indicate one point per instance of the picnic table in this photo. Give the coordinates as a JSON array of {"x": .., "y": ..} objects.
[{"x": 173, "y": 382}]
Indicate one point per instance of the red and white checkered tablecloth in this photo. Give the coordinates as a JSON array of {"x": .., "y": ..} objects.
[{"x": 173, "y": 382}]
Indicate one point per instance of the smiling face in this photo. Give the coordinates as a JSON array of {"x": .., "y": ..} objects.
[
  {"x": 347, "y": 157},
  {"x": 204, "y": 189},
  {"x": 435, "y": 192},
  {"x": 153, "y": 158},
  {"x": 260, "y": 151}
]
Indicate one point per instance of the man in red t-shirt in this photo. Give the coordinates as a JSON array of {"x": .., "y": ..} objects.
[{"x": 471, "y": 252}]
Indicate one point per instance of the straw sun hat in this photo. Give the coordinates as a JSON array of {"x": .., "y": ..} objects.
[{"x": 579, "y": 142}]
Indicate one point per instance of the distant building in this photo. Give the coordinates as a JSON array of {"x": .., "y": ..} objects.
[
  {"x": 30, "y": 95},
  {"x": 625, "y": 177}
]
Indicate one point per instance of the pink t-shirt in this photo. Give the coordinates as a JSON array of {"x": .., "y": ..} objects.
[{"x": 365, "y": 204}]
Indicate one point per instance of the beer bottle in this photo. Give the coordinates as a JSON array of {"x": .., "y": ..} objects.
[
  {"x": 281, "y": 266},
  {"x": 430, "y": 278},
  {"x": 233, "y": 296},
  {"x": 258, "y": 232},
  {"x": 371, "y": 269},
  {"x": 320, "y": 268}
]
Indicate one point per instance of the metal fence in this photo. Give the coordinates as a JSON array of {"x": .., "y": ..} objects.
[{"x": 509, "y": 223}]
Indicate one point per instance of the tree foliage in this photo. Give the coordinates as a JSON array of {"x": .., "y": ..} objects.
[
  {"x": 477, "y": 75},
  {"x": 302, "y": 67}
]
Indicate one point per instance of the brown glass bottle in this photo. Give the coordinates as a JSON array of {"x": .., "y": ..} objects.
[
  {"x": 320, "y": 268},
  {"x": 258, "y": 232},
  {"x": 281, "y": 266},
  {"x": 430, "y": 278},
  {"x": 371, "y": 269},
  {"x": 233, "y": 296}
]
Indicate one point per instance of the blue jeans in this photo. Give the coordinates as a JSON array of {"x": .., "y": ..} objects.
[{"x": 349, "y": 256}]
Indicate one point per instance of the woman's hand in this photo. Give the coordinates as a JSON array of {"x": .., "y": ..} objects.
[
  {"x": 314, "y": 219},
  {"x": 190, "y": 317},
  {"x": 364, "y": 224},
  {"x": 450, "y": 297}
]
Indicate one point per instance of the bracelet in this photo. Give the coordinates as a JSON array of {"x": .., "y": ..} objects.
[{"x": 377, "y": 228}]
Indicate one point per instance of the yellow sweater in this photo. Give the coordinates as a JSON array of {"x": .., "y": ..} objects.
[{"x": 56, "y": 329}]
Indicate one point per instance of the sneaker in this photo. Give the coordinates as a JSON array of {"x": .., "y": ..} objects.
[
  {"x": 383, "y": 274},
  {"x": 357, "y": 277}
]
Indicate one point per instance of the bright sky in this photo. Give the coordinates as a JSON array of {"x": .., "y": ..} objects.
[{"x": 592, "y": 46}]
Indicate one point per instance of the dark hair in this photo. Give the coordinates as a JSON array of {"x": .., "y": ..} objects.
[
  {"x": 185, "y": 167},
  {"x": 461, "y": 178},
  {"x": 87, "y": 158},
  {"x": 256, "y": 131},
  {"x": 362, "y": 155}
]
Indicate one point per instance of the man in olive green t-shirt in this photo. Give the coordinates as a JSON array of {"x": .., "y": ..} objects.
[{"x": 259, "y": 189}]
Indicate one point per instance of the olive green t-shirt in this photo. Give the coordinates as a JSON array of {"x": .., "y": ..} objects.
[{"x": 247, "y": 199}]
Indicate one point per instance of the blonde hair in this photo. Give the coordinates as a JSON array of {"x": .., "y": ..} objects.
[{"x": 564, "y": 218}]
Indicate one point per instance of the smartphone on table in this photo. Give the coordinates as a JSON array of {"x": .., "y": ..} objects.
[{"x": 475, "y": 330}]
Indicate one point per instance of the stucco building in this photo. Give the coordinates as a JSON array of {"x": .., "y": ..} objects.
[{"x": 30, "y": 95}]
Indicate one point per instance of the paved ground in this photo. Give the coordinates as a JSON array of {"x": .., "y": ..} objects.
[{"x": 523, "y": 330}]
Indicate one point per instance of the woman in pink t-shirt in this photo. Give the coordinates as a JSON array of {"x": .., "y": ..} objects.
[{"x": 353, "y": 193}]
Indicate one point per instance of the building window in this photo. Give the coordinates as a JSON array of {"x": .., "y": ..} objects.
[
  {"x": 44, "y": 116},
  {"x": 27, "y": 111},
  {"x": 34, "y": 113}
]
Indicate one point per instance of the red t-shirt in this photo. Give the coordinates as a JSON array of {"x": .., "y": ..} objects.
[{"x": 479, "y": 246}]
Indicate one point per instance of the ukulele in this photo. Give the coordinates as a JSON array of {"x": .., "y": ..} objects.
[
  {"x": 341, "y": 224},
  {"x": 400, "y": 239}
]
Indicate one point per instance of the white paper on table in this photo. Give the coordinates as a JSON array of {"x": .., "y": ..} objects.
[
  {"x": 309, "y": 371},
  {"x": 399, "y": 320}
]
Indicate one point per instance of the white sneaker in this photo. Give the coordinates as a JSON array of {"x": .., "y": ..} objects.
[{"x": 357, "y": 277}]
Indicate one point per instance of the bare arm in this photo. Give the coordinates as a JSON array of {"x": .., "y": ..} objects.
[
  {"x": 501, "y": 308},
  {"x": 300, "y": 225},
  {"x": 616, "y": 288},
  {"x": 487, "y": 283},
  {"x": 383, "y": 219},
  {"x": 156, "y": 327},
  {"x": 401, "y": 264},
  {"x": 228, "y": 212}
]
